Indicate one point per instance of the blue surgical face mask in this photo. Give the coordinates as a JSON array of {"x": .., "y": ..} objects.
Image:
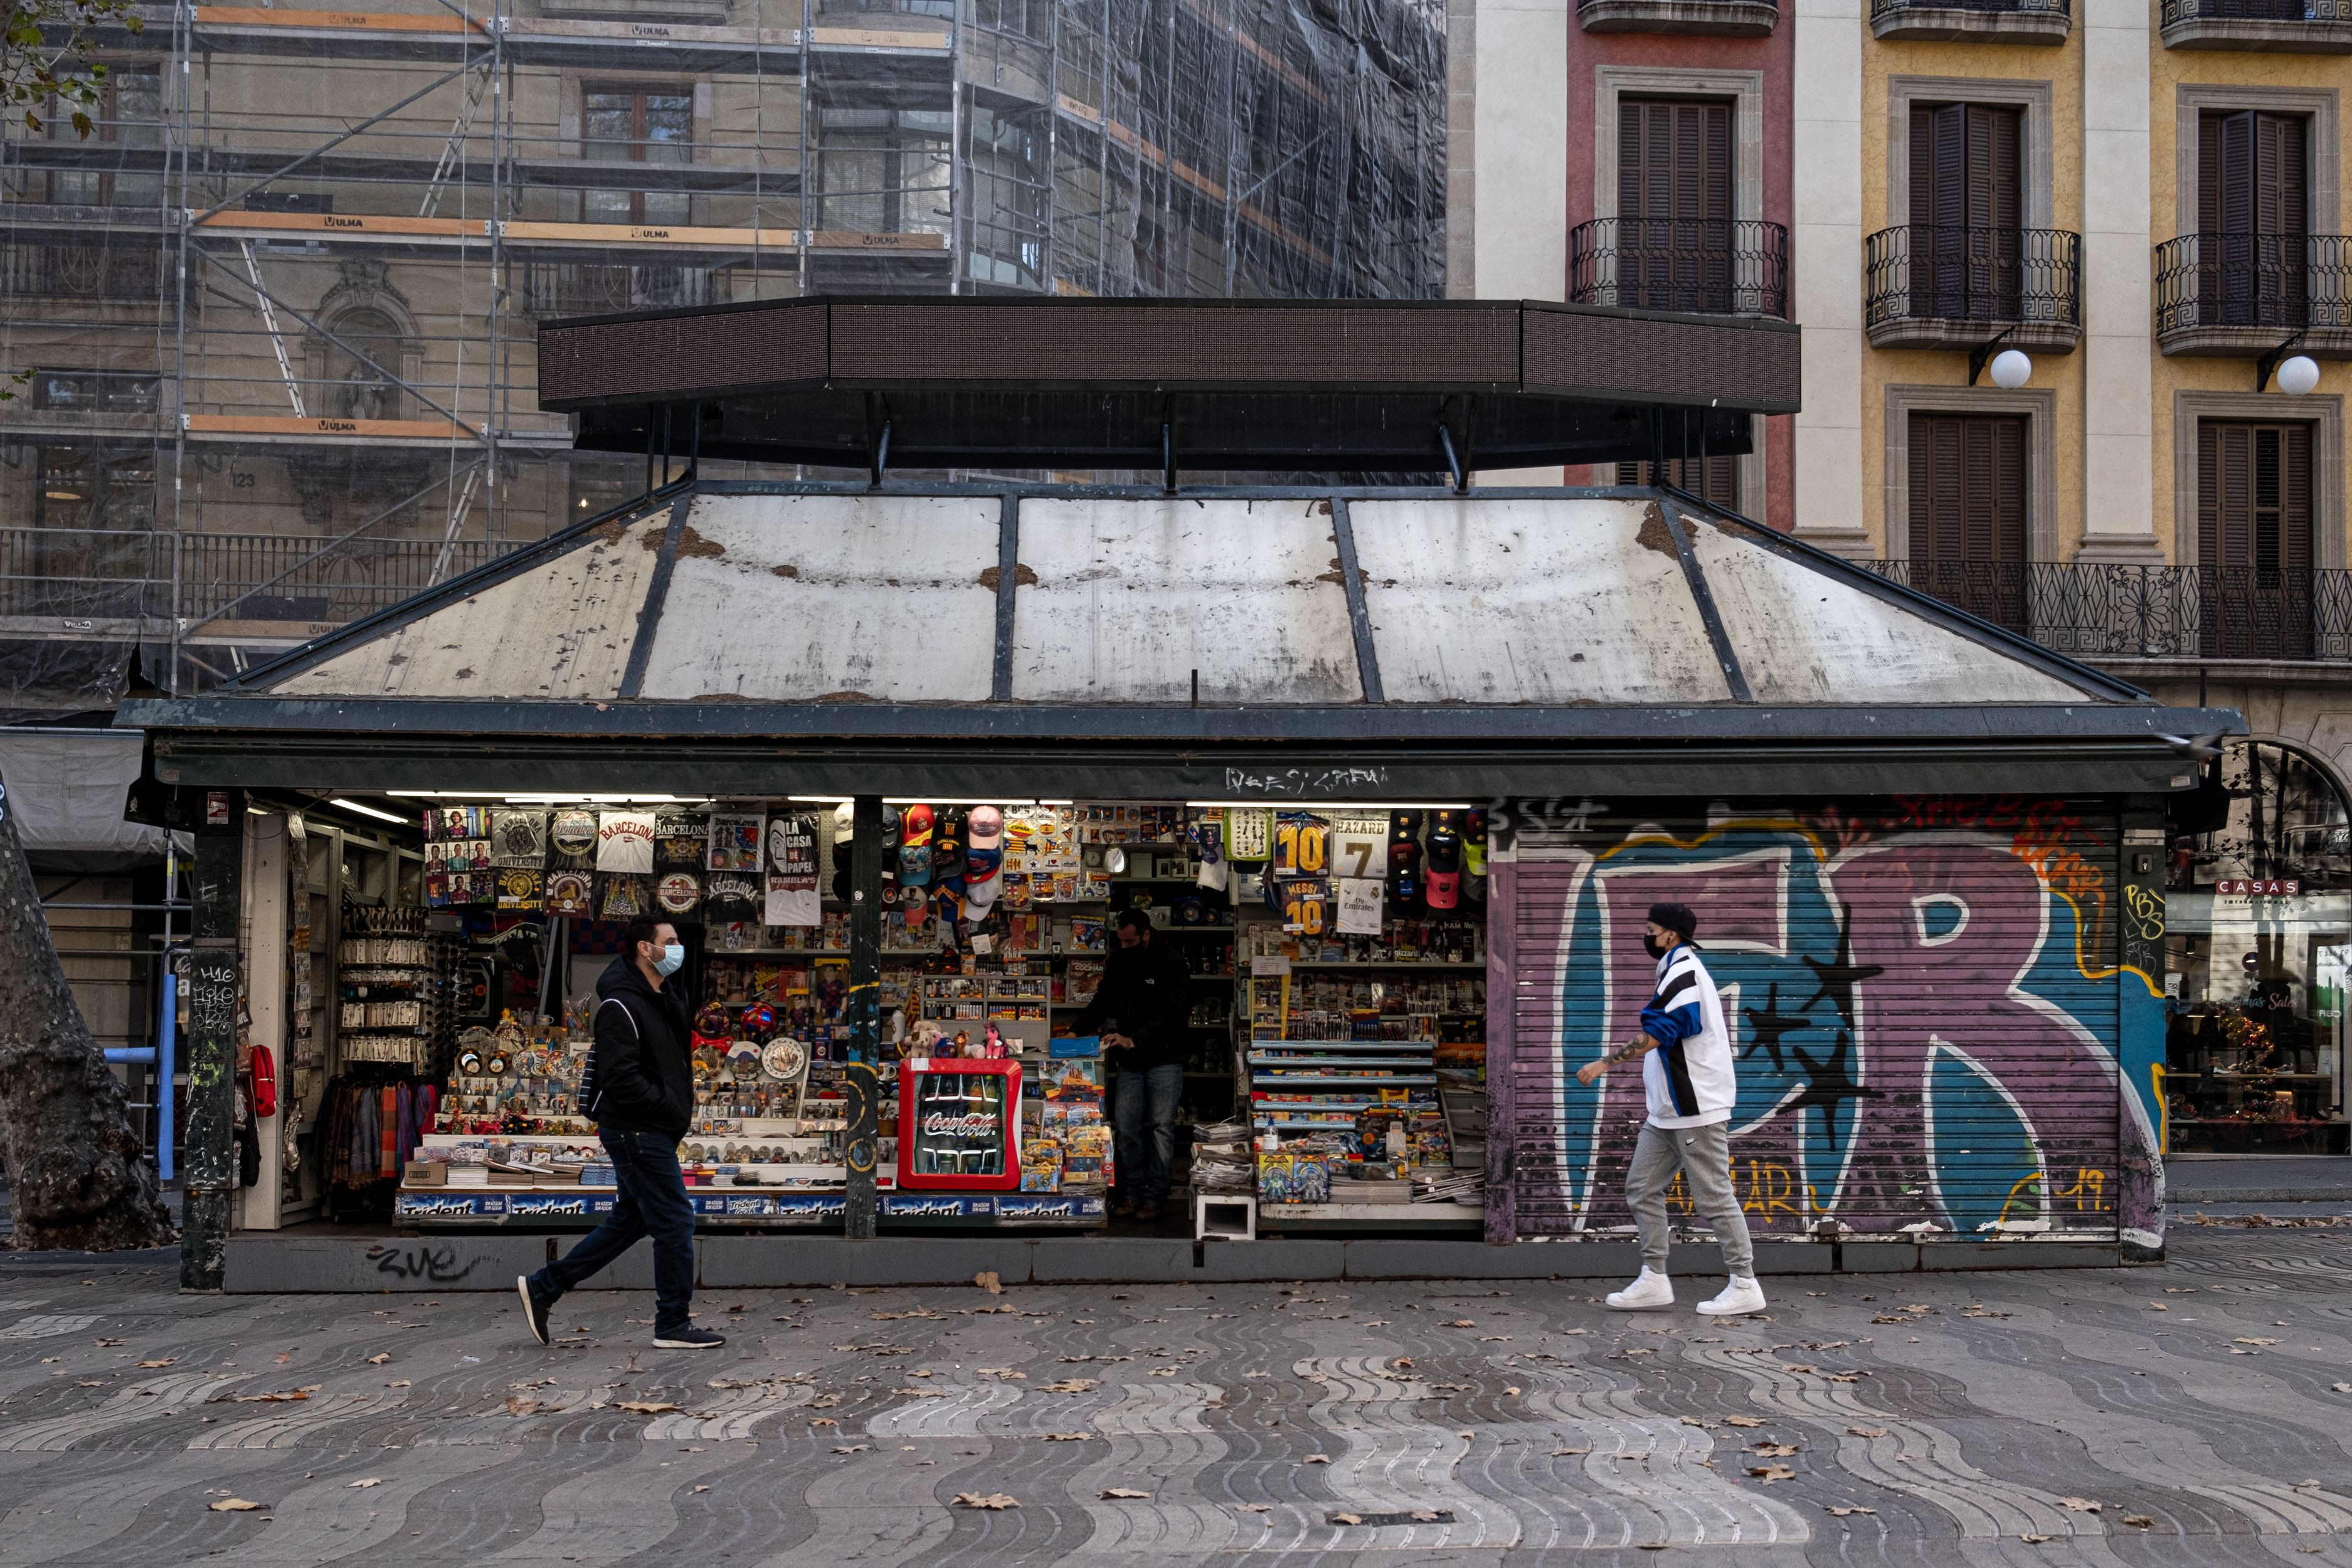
[{"x": 672, "y": 957}]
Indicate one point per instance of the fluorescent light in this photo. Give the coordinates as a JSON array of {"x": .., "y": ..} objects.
[
  {"x": 927, "y": 800},
  {"x": 366, "y": 810},
  {"x": 1335, "y": 805}
]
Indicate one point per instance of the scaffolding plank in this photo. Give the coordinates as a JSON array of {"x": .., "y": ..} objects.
[
  {"x": 336, "y": 21},
  {"x": 354, "y": 429},
  {"x": 268, "y": 224}
]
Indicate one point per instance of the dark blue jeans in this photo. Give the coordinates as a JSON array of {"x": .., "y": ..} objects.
[
  {"x": 1145, "y": 1109},
  {"x": 653, "y": 1203}
]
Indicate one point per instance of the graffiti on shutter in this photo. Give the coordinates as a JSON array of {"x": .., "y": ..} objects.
[{"x": 1929, "y": 1020}]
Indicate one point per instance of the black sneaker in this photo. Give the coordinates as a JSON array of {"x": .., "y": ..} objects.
[
  {"x": 534, "y": 1310},
  {"x": 689, "y": 1337}
]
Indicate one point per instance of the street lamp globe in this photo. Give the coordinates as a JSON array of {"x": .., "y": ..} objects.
[
  {"x": 2298, "y": 375},
  {"x": 2012, "y": 369}
]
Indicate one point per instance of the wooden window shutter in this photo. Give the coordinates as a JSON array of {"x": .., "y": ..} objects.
[
  {"x": 2208, "y": 494},
  {"x": 1968, "y": 489},
  {"x": 1633, "y": 156},
  {"x": 2294, "y": 497}
]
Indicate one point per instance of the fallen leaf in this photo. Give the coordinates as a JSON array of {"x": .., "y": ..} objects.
[
  {"x": 1695, "y": 1421},
  {"x": 646, "y": 1406},
  {"x": 1867, "y": 1431},
  {"x": 1461, "y": 1324},
  {"x": 165, "y": 1362},
  {"x": 1844, "y": 1512},
  {"x": 1069, "y": 1437},
  {"x": 2033, "y": 1539},
  {"x": 2139, "y": 1521},
  {"x": 1123, "y": 1492},
  {"x": 371, "y": 1481},
  {"x": 987, "y": 1280},
  {"x": 1163, "y": 1371},
  {"x": 236, "y": 1505},
  {"x": 283, "y": 1357},
  {"x": 1557, "y": 1452},
  {"x": 2307, "y": 1485},
  {"x": 1347, "y": 1519},
  {"x": 379, "y": 1358},
  {"x": 2078, "y": 1505},
  {"x": 1743, "y": 1421},
  {"x": 1425, "y": 1514},
  {"x": 824, "y": 1421},
  {"x": 988, "y": 1499},
  {"x": 1071, "y": 1385},
  {"x": 287, "y": 1397},
  {"x": 2341, "y": 1387},
  {"x": 854, "y": 1448},
  {"x": 1774, "y": 1450},
  {"x": 1511, "y": 1390},
  {"x": 1318, "y": 1458},
  {"x": 90, "y": 1383},
  {"x": 1253, "y": 1507},
  {"x": 1771, "y": 1473},
  {"x": 104, "y": 1343},
  {"x": 401, "y": 1384},
  {"x": 702, "y": 1488}
]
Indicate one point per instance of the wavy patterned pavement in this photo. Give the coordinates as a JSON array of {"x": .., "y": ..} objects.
[{"x": 2195, "y": 1413}]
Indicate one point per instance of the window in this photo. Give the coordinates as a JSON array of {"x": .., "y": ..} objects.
[
  {"x": 1008, "y": 196},
  {"x": 883, "y": 171},
  {"x": 130, "y": 122},
  {"x": 2253, "y": 218},
  {"x": 1675, "y": 204},
  {"x": 1967, "y": 210},
  {"x": 81, "y": 488},
  {"x": 2255, "y": 538},
  {"x": 97, "y": 391},
  {"x": 1710, "y": 478},
  {"x": 637, "y": 125},
  {"x": 1968, "y": 499}
]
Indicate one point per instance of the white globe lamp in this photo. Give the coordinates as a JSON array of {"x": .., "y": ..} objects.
[
  {"x": 2012, "y": 369},
  {"x": 2298, "y": 375}
]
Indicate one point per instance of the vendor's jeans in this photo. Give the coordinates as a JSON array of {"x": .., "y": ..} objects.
[
  {"x": 1144, "y": 1174},
  {"x": 653, "y": 1202}
]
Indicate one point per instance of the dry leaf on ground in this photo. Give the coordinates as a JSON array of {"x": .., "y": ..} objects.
[
  {"x": 1843, "y": 1512},
  {"x": 1347, "y": 1519},
  {"x": 236, "y": 1505},
  {"x": 647, "y": 1406},
  {"x": 1253, "y": 1507},
  {"x": 1318, "y": 1458},
  {"x": 1774, "y": 1450},
  {"x": 1110, "y": 1492},
  {"x": 987, "y": 1280},
  {"x": 379, "y": 1358},
  {"x": 1770, "y": 1473},
  {"x": 286, "y": 1396},
  {"x": 2139, "y": 1521},
  {"x": 166, "y": 1360},
  {"x": 855, "y": 1448},
  {"x": 1461, "y": 1324},
  {"x": 1743, "y": 1421},
  {"x": 1069, "y": 1437},
  {"x": 1866, "y": 1431},
  {"x": 2078, "y": 1505},
  {"x": 986, "y": 1500},
  {"x": 1071, "y": 1385},
  {"x": 2033, "y": 1539},
  {"x": 517, "y": 1405},
  {"x": 1557, "y": 1452},
  {"x": 371, "y": 1481},
  {"x": 284, "y": 1356}
]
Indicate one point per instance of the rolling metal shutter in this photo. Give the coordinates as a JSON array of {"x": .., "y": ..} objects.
[{"x": 1923, "y": 997}]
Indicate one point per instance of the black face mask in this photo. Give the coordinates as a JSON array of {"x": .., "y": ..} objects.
[{"x": 1657, "y": 949}]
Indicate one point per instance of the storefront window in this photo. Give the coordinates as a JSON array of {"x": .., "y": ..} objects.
[{"x": 2259, "y": 923}]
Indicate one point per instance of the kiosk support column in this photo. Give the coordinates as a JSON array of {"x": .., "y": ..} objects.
[
  {"x": 208, "y": 1176},
  {"x": 862, "y": 1141}
]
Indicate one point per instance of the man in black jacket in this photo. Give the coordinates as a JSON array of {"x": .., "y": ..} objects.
[
  {"x": 639, "y": 1091},
  {"x": 1142, "y": 1010}
]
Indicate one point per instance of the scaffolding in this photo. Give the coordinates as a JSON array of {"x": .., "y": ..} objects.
[{"x": 280, "y": 307}]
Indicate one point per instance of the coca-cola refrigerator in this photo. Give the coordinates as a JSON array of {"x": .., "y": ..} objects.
[{"x": 958, "y": 1125}]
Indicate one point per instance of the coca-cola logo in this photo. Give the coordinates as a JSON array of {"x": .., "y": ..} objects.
[{"x": 972, "y": 1124}]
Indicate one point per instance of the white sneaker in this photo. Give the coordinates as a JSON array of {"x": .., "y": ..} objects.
[
  {"x": 1740, "y": 1296},
  {"x": 1650, "y": 1288}
]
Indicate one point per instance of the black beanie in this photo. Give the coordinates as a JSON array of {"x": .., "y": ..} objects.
[{"x": 1677, "y": 918}]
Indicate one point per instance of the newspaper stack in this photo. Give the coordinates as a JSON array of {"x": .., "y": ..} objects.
[{"x": 1221, "y": 1159}]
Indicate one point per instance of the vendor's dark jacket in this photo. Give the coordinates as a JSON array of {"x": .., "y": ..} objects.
[
  {"x": 644, "y": 1071},
  {"x": 1146, "y": 994}
]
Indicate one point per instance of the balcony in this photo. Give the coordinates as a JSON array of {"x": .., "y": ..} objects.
[
  {"x": 1957, "y": 21},
  {"x": 1707, "y": 267},
  {"x": 2278, "y": 27},
  {"x": 1946, "y": 287},
  {"x": 2238, "y": 296},
  {"x": 1724, "y": 18},
  {"x": 2101, "y": 612},
  {"x": 595, "y": 289},
  {"x": 123, "y": 267}
]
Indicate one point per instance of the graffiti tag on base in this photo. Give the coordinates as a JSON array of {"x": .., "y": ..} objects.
[{"x": 434, "y": 1264}]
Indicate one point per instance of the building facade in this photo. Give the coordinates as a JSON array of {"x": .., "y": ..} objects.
[{"x": 278, "y": 309}]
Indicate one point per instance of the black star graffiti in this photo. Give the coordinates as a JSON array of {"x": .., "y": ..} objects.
[
  {"x": 1767, "y": 1024},
  {"x": 1839, "y": 978},
  {"x": 1828, "y": 1083}
]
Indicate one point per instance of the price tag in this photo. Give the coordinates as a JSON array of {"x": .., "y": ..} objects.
[{"x": 1270, "y": 965}]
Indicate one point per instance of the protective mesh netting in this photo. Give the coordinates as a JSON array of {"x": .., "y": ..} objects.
[{"x": 276, "y": 314}]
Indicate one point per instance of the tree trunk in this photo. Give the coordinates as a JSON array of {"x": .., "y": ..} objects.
[{"x": 79, "y": 1177}]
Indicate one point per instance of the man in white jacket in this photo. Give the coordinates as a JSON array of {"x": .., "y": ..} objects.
[{"x": 1687, "y": 1080}]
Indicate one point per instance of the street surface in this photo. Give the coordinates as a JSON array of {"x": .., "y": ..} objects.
[{"x": 2195, "y": 1413}]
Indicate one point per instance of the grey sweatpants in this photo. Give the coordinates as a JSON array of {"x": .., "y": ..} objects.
[{"x": 1703, "y": 1154}]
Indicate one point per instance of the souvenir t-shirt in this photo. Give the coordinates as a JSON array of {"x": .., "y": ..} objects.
[
  {"x": 625, "y": 843},
  {"x": 732, "y": 897},
  {"x": 569, "y": 893},
  {"x": 734, "y": 841},
  {"x": 792, "y": 889},
  {"x": 519, "y": 839},
  {"x": 681, "y": 840},
  {"x": 573, "y": 837}
]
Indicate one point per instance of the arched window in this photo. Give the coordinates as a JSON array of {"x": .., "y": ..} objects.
[{"x": 2258, "y": 943}]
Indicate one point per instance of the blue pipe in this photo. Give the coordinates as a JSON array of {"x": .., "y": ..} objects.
[
  {"x": 166, "y": 1040},
  {"x": 131, "y": 1053}
]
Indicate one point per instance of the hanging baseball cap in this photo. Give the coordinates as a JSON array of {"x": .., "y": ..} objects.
[
  {"x": 1444, "y": 863},
  {"x": 985, "y": 828},
  {"x": 915, "y": 848},
  {"x": 911, "y": 901},
  {"x": 948, "y": 848}
]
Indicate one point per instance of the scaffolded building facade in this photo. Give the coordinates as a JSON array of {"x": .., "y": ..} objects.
[{"x": 278, "y": 309}]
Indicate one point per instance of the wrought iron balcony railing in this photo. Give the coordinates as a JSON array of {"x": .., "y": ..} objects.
[
  {"x": 1986, "y": 276},
  {"x": 119, "y": 266},
  {"x": 1882, "y": 8},
  {"x": 2178, "y": 11},
  {"x": 2295, "y": 282},
  {"x": 592, "y": 288},
  {"x": 2096, "y": 611},
  {"x": 1710, "y": 266}
]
